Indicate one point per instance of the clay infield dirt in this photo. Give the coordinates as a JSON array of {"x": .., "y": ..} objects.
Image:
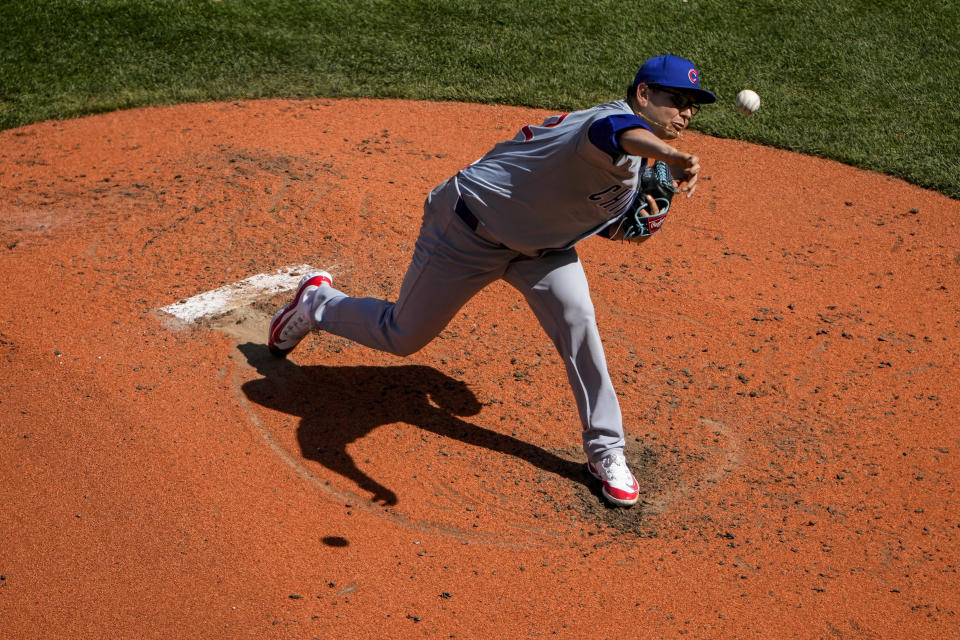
[{"x": 784, "y": 350}]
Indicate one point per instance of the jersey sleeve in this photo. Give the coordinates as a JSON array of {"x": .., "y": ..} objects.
[{"x": 604, "y": 132}]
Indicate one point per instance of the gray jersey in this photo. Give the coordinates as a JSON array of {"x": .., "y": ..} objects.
[{"x": 557, "y": 183}]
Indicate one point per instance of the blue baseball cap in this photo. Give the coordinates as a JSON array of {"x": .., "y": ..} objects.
[{"x": 676, "y": 73}]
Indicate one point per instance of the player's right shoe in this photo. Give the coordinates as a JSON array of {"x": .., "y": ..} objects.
[
  {"x": 619, "y": 485},
  {"x": 295, "y": 320}
]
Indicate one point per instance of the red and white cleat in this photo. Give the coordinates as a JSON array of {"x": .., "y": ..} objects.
[
  {"x": 294, "y": 321},
  {"x": 619, "y": 485}
]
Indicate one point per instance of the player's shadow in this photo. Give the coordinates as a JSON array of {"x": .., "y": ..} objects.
[{"x": 339, "y": 405}]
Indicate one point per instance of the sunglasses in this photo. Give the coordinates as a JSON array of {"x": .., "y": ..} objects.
[{"x": 680, "y": 101}]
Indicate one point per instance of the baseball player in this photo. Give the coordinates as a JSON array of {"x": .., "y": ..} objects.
[{"x": 516, "y": 214}]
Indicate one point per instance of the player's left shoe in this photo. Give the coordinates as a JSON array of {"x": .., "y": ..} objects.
[
  {"x": 619, "y": 485},
  {"x": 295, "y": 320}
]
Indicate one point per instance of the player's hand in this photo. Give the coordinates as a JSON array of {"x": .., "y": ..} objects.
[
  {"x": 652, "y": 210},
  {"x": 687, "y": 169},
  {"x": 643, "y": 143}
]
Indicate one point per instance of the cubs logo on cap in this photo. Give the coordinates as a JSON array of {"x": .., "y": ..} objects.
[{"x": 676, "y": 73}]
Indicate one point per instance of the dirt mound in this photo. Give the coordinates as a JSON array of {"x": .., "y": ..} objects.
[{"x": 782, "y": 351}]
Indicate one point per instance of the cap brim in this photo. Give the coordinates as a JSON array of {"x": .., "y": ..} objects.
[{"x": 702, "y": 96}]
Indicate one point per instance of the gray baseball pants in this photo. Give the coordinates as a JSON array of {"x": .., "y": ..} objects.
[{"x": 451, "y": 263}]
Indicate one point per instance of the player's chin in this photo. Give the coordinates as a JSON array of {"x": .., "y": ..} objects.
[
  {"x": 665, "y": 132},
  {"x": 672, "y": 131}
]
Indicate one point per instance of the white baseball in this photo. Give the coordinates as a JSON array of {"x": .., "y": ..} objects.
[{"x": 748, "y": 101}]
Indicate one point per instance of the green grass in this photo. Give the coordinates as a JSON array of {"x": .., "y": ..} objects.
[{"x": 873, "y": 84}]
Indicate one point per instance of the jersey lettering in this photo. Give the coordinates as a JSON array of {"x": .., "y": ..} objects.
[
  {"x": 614, "y": 199},
  {"x": 599, "y": 195}
]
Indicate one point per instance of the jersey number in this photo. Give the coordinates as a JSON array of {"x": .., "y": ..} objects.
[{"x": 552, "y": 121}]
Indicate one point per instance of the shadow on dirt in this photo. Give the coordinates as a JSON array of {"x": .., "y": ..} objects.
[{"x": 339, "y": 405}]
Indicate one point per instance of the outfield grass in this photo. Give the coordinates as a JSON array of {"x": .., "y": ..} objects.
[{"x": 873, "y": 84}]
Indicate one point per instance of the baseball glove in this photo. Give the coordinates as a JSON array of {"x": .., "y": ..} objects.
[{"x": 656, "y": 181}]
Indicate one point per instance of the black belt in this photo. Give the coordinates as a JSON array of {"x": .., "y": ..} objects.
[
  {"x": 471, "y": 221},
  {"x": 466, "y": 215}
]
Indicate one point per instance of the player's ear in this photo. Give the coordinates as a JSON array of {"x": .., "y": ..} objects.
[{"x": 641, "y": 93}]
